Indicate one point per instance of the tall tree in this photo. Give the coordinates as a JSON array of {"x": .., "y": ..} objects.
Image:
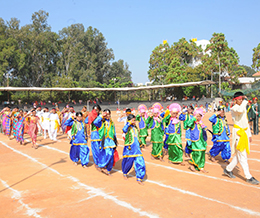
[
  {"x": 118, "y": 69},
  {"x": 226, "y": 58},
  {"x": 256, "y": 57}
]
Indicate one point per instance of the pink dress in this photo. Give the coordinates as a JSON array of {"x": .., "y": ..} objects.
[{"x": 33, "y": 128}]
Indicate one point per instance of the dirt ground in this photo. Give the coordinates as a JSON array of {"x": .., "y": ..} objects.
[{"x": 44, "y": 182}]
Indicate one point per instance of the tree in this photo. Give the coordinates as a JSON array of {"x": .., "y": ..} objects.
[
  {"x": 256, "y": 57},
  {"x": 187, "y": 51},
  {"x": 226, "y": 58},
  {"x": 249, "y": 70},
  {"x": 118, "y": 69},
  {"x": 159, "y": 64}
]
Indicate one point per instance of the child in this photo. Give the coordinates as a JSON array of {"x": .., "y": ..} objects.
[
  {"x": 79, "y": 146},
  {"x": 156, "y": 125},
  {"x": 107, "y": 133},
  {"x": 94, "y": 135},
  {"x": 221, "y": 135},
  {"x": 143, "y": 127},
  {"x": 132, "y": 153},
  {"x": 174, "y": 141},
  {"x": 198, "y": 141},
  {"x": 186, "y": 117}
]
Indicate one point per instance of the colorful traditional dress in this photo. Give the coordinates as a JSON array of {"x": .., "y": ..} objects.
[
  {"x": 143, "y": 129},
  {"x": 8, "y": 123},
  {"x": 20, "y": 130},
  {"x": 15, "y": 119},
  {"x": 198, "y": 144},
  {"x": 79, "y": 147},
  {"x": 26, "y": 124},
  {"x": 185, "y": 117},
  {"x": 132, "y": 153},
  {"x": 107, "y": 134},
  {"x": 4, "y": 117},
  {"x": 33, "y": 128},
  {"x": 95, "y": 139},
  {"x": 157, "y": 133},
  {"x": 174, "y": 142},
  {"x": 221, "y": 137}
]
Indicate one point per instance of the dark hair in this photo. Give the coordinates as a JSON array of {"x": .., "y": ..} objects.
[
  {"x": 96, "y": 106},
  {"x": 26, "y": 111},
  {"x": 130, "y": 117},
  {"x": 238, "y": 94},
  {"x": 46, "y": 108},
  {"x": 191, "y": 107},
  {"x": 17, "y": 108},
  {"x": 71, "y": 106},
  {"x": 107, "y": 110},
  {"x": 78, "y": 114},
  {"x": 128, "y": 110},
  {"x": 21, "y": 110},
  {"x": 54, "y": 108}
]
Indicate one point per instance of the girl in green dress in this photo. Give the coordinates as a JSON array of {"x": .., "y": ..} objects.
[
  {"x": 198, "y": 141},
  {"x": 155, "y": 123},
  {"x": 143, "y": 127},
  {"x": 174, "y": 142}
]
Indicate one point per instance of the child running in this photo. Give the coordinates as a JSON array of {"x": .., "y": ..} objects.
[
  {"x": 132, "y": 153},
  {"x": 174, "y": 142},
  {"x": 79, "y": 146},
  {"x": 143, "y": 127},
  {"x": 155, "y": 123},
  {"x": 198, "y": 141},
  {"x": 107, "y": 133},
  {"x": 221, "y": 135}
]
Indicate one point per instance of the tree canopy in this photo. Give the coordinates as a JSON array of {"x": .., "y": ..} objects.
[{"x": 33, "y": 55}]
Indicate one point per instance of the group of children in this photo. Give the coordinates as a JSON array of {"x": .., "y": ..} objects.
[{"x": 166, "y": 135}]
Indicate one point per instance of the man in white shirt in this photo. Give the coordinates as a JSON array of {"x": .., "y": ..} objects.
[
  {"x": 241, "y": 138},
  {"x": 54, "y": 124},
  {"x": 46, "y": 121}
]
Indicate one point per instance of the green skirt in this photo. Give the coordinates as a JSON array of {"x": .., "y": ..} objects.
[
  {"x": 157, "y": 150},
  {"x": 143, "y": 141},
  {"x": 175, "y": 153},
  {"x": 198, "y": 159}
]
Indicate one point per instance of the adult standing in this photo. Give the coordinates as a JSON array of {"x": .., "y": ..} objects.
[
  {"x": 241, "y": 138},
  {"x": 255, "y": 115}
]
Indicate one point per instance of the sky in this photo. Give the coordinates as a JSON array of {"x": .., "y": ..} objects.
[{"x": 134, "y": 28}]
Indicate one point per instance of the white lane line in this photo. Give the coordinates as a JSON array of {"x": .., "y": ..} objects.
[
  {"x": 251, "y": 212},
  {"x": 171, "y": 168},
  {"x": 254, "y": 159},
  {"x": 97, "y": 192},
  {"x": 180, "y": 190},
  {"x": 18, "y": 195},
  {"x": 91, "y": 190}
]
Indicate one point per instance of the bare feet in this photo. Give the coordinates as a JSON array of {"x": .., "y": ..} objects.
[
  {"x": 204, "y": 171},
  {"x": 76, "y": 163},
  {"x": 152, "y": 157},
  {"x": 125, "y": 177},
  {"x": 192, "y": 168},
  {"x": 140, "y": 182},
  {"x": 182, "y": 164},
  {"x": 84, "y": 166},
  {"x": 212, "y": 159},
  {"x": 161, "y": 159},
  {"x": 187, "y": 155},
  {"x": 97, "y": 168}
]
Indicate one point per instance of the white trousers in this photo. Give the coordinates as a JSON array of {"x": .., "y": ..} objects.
[
  {"x": 240, "y": 157},
  {"x": 44, "y": 132},
  {"x": 53, "y": 134}
]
